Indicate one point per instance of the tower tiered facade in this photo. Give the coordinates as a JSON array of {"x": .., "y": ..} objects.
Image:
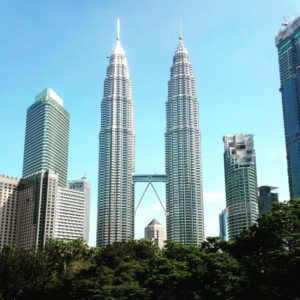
[
  {"x": 184, "y": 192},
  {"x": 115, "y": 220}
]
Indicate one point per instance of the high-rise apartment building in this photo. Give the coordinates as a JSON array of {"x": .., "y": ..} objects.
[
  {"x": 47, "y": 136},
  {"x": 155, "y": 232},
  {"x": 115, "y": 221},
  {"x": 184, "y": 192},
  {"x": 288, "y": 45},
  {"x": 37, "y": 209},
  {"x": 240, "y": 182},
  {"x": 82, "y": 185},
  {"x": 266, "y": 198},
  {"x": 70, "y": 214},
  {"x": 9, "y": 200},
  {"x": 223, "y": 216}
]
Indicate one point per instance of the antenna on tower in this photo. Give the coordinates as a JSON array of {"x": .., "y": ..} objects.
[
  {"x": 285, "y": 22},
  {"x": 118, "y": 29},
  {"x": 180, "y": 34}
]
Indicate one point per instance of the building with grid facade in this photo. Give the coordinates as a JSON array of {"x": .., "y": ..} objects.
[
  {"x": 47, "y": 136},
  {"x": 184, "y": 192},
  {"x": 115, "y": 220},
  {"x": 9, "y": 200},
  {"x": 37, "y": 209},
  {"x": 240, "y": 182}
]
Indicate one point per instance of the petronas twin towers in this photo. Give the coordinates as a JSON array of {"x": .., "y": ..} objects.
[{"x": 184, "y": 192}]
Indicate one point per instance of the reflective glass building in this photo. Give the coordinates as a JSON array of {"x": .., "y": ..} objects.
[
  {"x": 47, "y": 136},
  {"x": 223, "y": 225},
  {"x": 266, "y": 198},
  {"x": 288, "y": 45}
]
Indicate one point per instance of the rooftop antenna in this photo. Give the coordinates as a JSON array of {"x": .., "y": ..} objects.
[
  {"x": 180, "y": 35},
  {"x": 118, "y": 29},
  {"x": 285, "y": 22}
]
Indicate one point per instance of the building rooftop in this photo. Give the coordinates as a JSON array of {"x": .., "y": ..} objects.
[
  {"x": 153, "y": 222},
  {"x": 288, "y": 30},
  {"x": 48, "y": 93}
]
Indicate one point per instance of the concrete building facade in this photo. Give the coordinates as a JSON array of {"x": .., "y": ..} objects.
[
  {"x": 9, "y": 200},
  {"x": 155, "y": 232}
]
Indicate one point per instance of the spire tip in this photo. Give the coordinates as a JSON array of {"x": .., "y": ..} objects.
[
  {"x": 118, "y": 29},
  {"x": 180, "y": 33}
]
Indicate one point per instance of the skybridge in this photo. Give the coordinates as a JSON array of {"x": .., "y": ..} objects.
[{"x": 150, "y": 178}]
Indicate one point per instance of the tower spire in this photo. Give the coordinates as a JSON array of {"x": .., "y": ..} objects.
[
  {"x": 118, "y": 29},
  {"x": 180, "y": 30}
]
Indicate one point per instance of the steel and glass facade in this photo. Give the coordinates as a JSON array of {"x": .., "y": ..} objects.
[
  {"x": 47, "y": 136},
  {"x": 223, "y": 216},
  {"x": 288, "y": 45},
  {"x": 266, "y": 198},
  {"x": 240, "y": 182},
  {"x": 184, "y": 192},
  {"x": 115, "y": 220}
]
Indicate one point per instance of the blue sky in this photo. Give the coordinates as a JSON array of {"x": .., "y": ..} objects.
[{"x": 64, "y": 45}]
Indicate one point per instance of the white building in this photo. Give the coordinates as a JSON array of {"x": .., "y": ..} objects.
[
  {"x": 9, "y": 197},
  {"x": 72, "y": 211},
  {"x": 240, "y": 182},
  {"x": 155, "y": 232}
]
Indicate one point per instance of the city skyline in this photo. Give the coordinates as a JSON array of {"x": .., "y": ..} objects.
[{"x": 76, "y": 69}]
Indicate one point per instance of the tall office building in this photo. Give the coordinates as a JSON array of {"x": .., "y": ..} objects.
[
  {"x": 9, "y": 200},
  {"x": 184, "y": 192},
  {"x": 223, "y": 216},
  {"x": 115, "y": 220},
  {"x": 82, "y": 185},
  {"x": 240, "y": 182},
  {"x": 288, "y": 44},
  {"x": 155, "y": 232},
  {"x": 266, "y": 198},
  {"x": 47, "y": 136},
  {"x": 37, "y": 209}
]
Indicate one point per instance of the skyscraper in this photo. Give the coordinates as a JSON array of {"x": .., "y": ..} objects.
[
  {"x": 240, "y": 182},
  {"x": 184, "y": 194},
  {"x": 288, "y": 44},
  {"x": 115, "y": 221},
  {"x": 155, "y": 232},
  {"x": 266, "y": 198},
  {"x": 47, "y": 136},
  {"x": 223, "y": 216}
]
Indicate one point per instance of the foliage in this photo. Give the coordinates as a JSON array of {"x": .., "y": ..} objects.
[{"x": 262, "y": 263}]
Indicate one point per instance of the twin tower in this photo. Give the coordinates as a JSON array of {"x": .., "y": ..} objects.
[{"x": 184, "y": 191}]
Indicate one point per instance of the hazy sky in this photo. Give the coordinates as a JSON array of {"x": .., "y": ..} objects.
[{"x": 64, "y": 45}]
